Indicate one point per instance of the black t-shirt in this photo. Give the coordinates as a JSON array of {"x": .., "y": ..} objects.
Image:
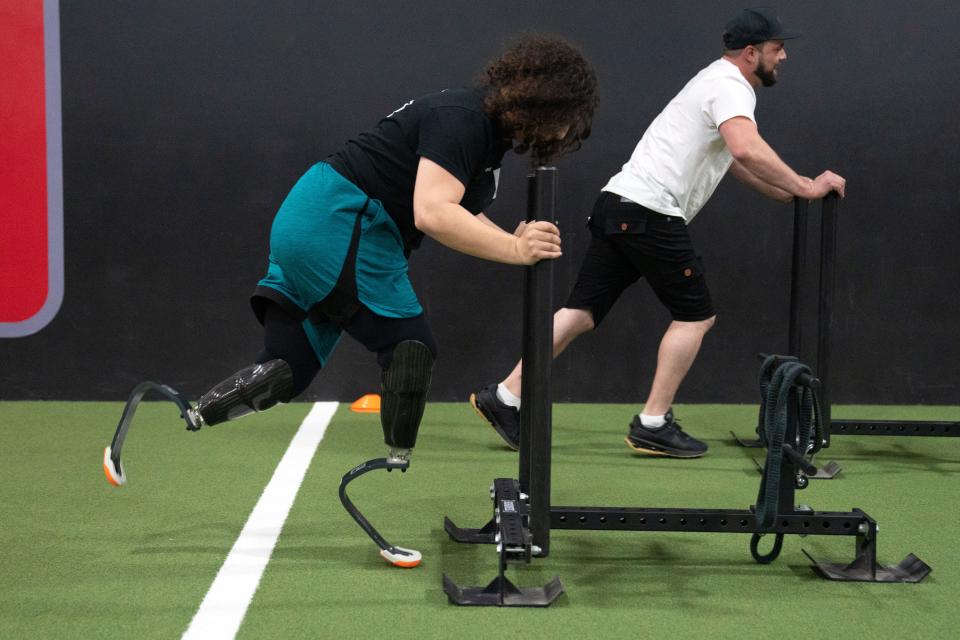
[{"x": 449, "y": 128}]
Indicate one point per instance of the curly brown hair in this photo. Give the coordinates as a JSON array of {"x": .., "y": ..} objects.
[{"x": 538, "y": 87}]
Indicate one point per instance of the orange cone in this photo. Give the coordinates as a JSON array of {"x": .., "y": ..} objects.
[{"x": 369, "y": 403}]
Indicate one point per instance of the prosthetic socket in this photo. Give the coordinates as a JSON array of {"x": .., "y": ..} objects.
[
  {"x": 256, "y": 388},
  {"x": 406, "y": 382}
]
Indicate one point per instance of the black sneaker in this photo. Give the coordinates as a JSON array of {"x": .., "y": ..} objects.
[
  {"x": 502, "y": 417},
  {"x": 669, "y": 440}
]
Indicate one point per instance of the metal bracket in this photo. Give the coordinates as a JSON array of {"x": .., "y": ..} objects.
[
  {"x": 503, "y": 593},
  {"x": 828, "y": 471},
  {"x": 864, "y": 567},
  {"x": 483, "y": 535},
  {"x": 510, "y": 530}
]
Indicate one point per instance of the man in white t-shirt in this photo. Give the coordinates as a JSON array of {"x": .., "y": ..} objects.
[{"x": 639, "y": 224}]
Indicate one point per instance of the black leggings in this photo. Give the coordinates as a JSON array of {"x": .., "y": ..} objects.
[{"x": 285, "y": 338}]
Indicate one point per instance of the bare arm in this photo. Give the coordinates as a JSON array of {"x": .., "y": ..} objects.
[
  {"x": 517, "y": 232},
  {"x": 745, "y": 176},
  {"x": 753, "y": 152},
  {"x": 437, "y": 213},
  {"x": 482, "y": 217}
]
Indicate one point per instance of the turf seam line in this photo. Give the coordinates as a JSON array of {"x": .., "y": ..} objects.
[{"x": 225, "y": 604}]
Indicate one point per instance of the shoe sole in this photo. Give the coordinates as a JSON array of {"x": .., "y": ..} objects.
[
  {"x": 476, "y": 407},
  {"x": 652, "y": 450}
]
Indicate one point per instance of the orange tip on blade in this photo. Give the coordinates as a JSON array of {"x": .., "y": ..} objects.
[
  {"x": 408, "y": 559},
  {"x": 115, "y": 476}
]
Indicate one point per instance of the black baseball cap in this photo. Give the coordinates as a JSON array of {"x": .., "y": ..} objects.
[{"x": 753, "y": 26}]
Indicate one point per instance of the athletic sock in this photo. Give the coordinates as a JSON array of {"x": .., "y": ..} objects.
[
  {"x": 652, "y": 422},
  {"x": 506, "y": 397}
]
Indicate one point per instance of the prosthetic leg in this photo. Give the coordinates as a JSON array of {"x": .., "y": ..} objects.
[
  {"x": 112, "y": 466},
  {"x": 255, "y": 388},
  {"x": 405, "y": 383}
]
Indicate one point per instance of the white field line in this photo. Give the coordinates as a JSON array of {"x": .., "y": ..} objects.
[{"x": 225, "y": 605}]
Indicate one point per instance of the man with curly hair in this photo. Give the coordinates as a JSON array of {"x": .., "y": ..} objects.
[
  {"x": 339, "y": 243},
  {"x": 639, "y": 224}
]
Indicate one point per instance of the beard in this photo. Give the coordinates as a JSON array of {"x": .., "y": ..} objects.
[{"x": 767, "y": 75}]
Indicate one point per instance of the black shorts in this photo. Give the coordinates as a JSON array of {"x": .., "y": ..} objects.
[
  {"x": 285, "y": 337},
  {"x": 629, "y": 242}
]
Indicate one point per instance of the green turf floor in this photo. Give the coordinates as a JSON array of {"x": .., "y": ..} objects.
[{"x": 80, "y": 559}]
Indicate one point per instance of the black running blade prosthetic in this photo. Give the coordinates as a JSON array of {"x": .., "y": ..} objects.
[
  {"x": 112, "y": 466},
  {"x": 397, "y": 556}
]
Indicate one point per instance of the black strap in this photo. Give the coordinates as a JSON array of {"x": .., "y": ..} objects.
[
  {"x": 342, "y": 303},
  {"x": 767, "y": 369},
  {"x": 777, "y": 376}
]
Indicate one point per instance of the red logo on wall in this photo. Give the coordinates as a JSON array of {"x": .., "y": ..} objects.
[{"x": 31, "y": 172}]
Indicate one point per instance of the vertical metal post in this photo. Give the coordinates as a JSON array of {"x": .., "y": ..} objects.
[
  {"x": 536, "y": 409},
  {"x": 798, "y": 273},
  {"x": 828, "y": 259}
]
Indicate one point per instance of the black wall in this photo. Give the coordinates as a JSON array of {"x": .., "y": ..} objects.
[{"x": 185, "y": 123}]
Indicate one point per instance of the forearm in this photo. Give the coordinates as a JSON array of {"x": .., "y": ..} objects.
[
  {"x": 771, "y": 191},
  {"x": 753, "y": 181},
  {"x": 453, "y": 226},
  {"x": 487, "y": 221},
  {"x": 763, "y": 163}
]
